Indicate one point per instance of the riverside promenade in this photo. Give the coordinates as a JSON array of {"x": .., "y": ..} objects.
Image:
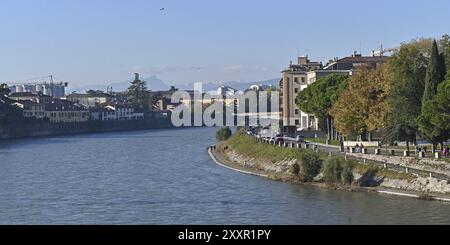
[
  {"x": 426, "y": 167},
  {"x": 221, "y": 160}
]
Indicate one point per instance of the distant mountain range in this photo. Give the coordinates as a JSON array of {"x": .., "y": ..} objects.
[
  {"x": 156, "y": 84},
  {"x": 153, "y": 83},
  {"x": 237, "y": 85}
]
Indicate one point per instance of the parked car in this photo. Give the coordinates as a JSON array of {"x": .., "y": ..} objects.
[
  {"x": 300, "y": 138},
  {"x": 279, "y": 140},
  {"x": 275, "y": 139}
]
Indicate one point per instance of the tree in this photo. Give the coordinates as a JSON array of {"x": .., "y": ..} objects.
[
  {"x": 310, "y": 165},
  {"x": 406, "y": 71},
  {"x": 94, "y": 92},
  {"x": 361, "y": 106},
  {"x": 377, "y": 92},
  {"x": 400, "y": 132},
  {"x": 138, "y": 95},
  {"x": 445, "y": 49},
  {"x": 435, "y": 117},
  {"x": 435, "y": 73},
  {"x": 223, "y": 134},
  {"x": 347, "y": 176},
  {"x": 319, "y": 97},
  {"x": 4, "y": 90},
  {"x": 332, "y": 170}
]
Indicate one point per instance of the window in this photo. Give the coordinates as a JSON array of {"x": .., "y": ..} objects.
[
  {"x": 297, "y": 111},
  {"x": 304, "y": 121},
  {"x": 296, "y": 79},
  {"x": 296, "y": 90},
  {"x": 303, "y": 80},
  {"x": 297, "y": 122}
]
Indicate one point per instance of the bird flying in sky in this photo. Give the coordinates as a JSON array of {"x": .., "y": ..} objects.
[{"x": 162, "y": 9}]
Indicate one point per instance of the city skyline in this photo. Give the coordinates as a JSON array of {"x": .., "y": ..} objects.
[{"x": 85, "y": 42}]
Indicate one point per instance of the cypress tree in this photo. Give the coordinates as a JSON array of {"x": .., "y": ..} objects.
[
  {"x": 435, "y": 73},
  {"x": 137, "y": 94},
  {"x": 443, "y": 65},
  {"x": 445, "y": 46}
]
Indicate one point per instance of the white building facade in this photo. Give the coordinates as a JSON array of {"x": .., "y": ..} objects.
[{"x": 122, "y": 113}]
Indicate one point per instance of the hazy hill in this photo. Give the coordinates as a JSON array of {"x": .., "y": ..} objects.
[{"x": 156, "y": 84}]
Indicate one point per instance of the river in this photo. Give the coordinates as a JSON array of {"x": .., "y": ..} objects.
[{"x": 167, "y": 177}]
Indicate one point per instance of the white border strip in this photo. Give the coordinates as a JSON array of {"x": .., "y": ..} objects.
[
  {"x": 398, "y": 194},
  {"x": 234, "y": 169},
  {"x": 442, "y": 199}
]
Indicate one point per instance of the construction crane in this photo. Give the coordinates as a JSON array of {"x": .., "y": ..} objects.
[
  {"x": 382, "y": 51},
  {"x": 32, "y": 81}
]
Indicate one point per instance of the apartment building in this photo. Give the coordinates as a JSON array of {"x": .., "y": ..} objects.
[
  {"x": 31, "y": 108},
  {"x": 294, "y": 80},
  {"x": 63, "y": 111}
]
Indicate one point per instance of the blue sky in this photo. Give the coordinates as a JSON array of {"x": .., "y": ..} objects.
[{"x": 104, "y": 41}]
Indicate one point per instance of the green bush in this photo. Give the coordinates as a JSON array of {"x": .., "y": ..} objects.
[
  {"x": 224, "y": 134},
  {"x": 310, "y": 165},
  {"x": 368, "y": 178},
  {"x": 332, "y": 170},
  {"x": 295, "y": 169},
  {"x": 347, "y": 176}
]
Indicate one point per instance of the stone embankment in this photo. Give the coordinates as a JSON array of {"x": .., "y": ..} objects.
[
  {"x": 425, "y": 164},
  {"x": 283, "y": 170},
  {"x": 419, "y": 184}
]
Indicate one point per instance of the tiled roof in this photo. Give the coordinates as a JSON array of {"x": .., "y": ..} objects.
[
  {"x": 63, "y": 105},
  {"x": 23, "y": 94},
  {"x": 26, "y": 102},
  {"x": 364, "y": 59},
  {"x": 29, "y": 94}
]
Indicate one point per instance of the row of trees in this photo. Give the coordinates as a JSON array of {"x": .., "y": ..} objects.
[{"x": 405, "y": 97}]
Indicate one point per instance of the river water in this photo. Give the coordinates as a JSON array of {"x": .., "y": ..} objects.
[{"x": 167, "y": 177}]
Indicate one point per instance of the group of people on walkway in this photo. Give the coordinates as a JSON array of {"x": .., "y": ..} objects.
[
  {"x": 444, "y": 151},
  {"x": 421, "y": 150},
  {"x": 359, "y": 148}
]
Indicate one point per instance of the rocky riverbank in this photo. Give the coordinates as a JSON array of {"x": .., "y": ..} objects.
[{"x": 364, "y": 177}]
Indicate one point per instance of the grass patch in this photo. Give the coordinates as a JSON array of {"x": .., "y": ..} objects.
[
  {"x": 395, "y": 175},
  {"x": 323, "y": 141},
  {"x": 364, "y": 169},
  {"x": 249, "y": 147}
]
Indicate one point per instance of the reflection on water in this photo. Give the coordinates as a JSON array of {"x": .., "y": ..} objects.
[{"x": 167, "y": 177}]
